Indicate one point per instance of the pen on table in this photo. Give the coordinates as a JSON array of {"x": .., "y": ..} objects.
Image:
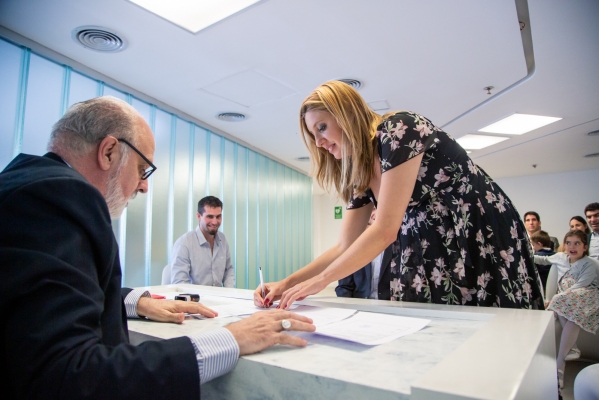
[{"x": 261, "y": 283}]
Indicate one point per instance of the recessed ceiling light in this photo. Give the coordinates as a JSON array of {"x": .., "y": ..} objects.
[
  {"x": 379, "y": 105},
  {"x": 194, "y": 15},
  {"x": 98, "y": 38},
  {"x": 476, "y": 142},
  {"x": 517, "y": 124},
  {"x": 231, "y": 117}
]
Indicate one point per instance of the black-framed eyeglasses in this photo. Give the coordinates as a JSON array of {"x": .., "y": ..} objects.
[{"x": 148, "y": 171}]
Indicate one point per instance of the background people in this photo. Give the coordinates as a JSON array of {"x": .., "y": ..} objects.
[
  {"x": 578, "y": 223},
  {"x": 202, "y": 256},
  {"x": 532, "y": 222},
  {"x": 541, "y": 244},
  {"x": 591, "y": 212},
  {"x": 577, "y": 302},
  {"x": 62, "y": 317},
  {"x": 456, "y": 237}
]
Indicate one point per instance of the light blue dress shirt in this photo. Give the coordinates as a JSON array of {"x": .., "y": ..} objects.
[{"x": 193, "y": 261}]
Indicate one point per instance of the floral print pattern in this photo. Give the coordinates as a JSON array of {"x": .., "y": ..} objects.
[
  {"x": 580, "y": 306},
  {"x": 461, "y": 240}
]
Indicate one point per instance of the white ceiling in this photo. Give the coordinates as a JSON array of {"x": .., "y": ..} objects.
[{"x": 429, "y": 56}]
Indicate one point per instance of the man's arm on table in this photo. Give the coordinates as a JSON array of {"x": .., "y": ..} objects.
[{"x": 217, "y": 351}]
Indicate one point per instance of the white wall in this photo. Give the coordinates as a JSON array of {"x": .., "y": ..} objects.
[
  {"x": 326, "y": 227},
  {"x": 556, "y": 197}
]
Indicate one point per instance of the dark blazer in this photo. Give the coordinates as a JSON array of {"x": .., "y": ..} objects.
[
  {"x": 358, "y": 283},
  {"x": 62, "y": 319}
]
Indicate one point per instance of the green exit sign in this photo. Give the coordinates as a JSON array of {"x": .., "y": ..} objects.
[{"x": 338, "y": 212}]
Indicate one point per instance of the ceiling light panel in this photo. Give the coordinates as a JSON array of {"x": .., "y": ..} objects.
[
  {"x": 476, "y": 142},
  {"x": 517, "y": 124},
  {"x": 379, "y": 105},
  {"x": 194, "y": 15}
]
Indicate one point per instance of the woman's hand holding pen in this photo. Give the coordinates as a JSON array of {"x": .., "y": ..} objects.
[{"x": 272, "y": 291}]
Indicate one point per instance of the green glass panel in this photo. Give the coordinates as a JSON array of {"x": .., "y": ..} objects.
[
  {"x": 136, "y": 224},
  {"x": 160, "y": 200},
  {"x": 252, "y": 218},
  {"x": 241, "y": 212},
  {"x": 228, "y": 199}
]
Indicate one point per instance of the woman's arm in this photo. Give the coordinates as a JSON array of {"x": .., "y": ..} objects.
[
  {"x": 395, "y": 192},
  {"x": 352, "y": 225}
]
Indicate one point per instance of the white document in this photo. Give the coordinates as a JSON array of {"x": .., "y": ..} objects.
[
  {"x": 371, "y": 328},
  {"x": 323, "y": 316}
]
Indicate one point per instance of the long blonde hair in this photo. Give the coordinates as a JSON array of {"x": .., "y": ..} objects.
[{"x": 358, "y": 125}]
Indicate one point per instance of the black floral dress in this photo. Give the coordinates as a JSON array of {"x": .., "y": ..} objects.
[{"x": 461, "y": 240}]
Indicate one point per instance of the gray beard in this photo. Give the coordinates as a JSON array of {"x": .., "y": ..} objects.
[{"x": 115, "y": 198}]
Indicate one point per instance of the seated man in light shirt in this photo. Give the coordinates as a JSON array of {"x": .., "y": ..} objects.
[
  {"x": 202, "y": 256},
  {"x": 364, "y": 283}
]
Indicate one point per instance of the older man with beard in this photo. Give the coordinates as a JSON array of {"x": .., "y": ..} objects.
[{"x": 63, "y": 319}]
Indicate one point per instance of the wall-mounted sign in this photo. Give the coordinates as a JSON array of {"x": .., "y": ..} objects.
[{"x": 338, "y": 212}]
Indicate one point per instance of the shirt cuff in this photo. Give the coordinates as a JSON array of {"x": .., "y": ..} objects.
[
  {"x": 217, "y": 353},
  {"x": 132, "y": 299}
]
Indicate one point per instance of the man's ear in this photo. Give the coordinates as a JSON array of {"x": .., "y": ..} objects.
[
  {"x": 108, "y": 153},
  {"x": 198, "y": 215}
]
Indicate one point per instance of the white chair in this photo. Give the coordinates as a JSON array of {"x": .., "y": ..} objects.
[{"x": 166, "y": 275}]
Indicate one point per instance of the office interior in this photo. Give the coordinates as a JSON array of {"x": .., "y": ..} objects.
[{"x": 464, "y": 64}]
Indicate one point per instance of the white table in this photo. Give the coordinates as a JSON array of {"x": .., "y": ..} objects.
[{"x": 464, "y": 353}]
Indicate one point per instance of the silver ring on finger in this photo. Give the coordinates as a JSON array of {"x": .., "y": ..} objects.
[{"x": 285, "y": 324}]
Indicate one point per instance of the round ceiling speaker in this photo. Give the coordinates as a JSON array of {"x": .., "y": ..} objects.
[
  {"x": 231, "y": 117},
  {"x": 98, "y": 39},
  {"x": 356, "y": 84}
]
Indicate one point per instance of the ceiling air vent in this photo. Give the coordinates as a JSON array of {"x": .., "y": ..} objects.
[
  {"x": 98, "y": 39},
  {"x": 231, "y": 117},
  {"x": 303, "y": 159},
  {"x": 593, "y": 133},
  {"x": 356, "y": 84},
  {"x": 592, "y": 155}
]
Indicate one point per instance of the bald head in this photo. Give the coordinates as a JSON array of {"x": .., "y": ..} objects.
[
  {"x": 85, "y": 124},
  {"x": 87, "y": 137}
]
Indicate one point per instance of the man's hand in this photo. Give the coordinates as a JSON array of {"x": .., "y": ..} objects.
[
  {"x": 171, "y": 310},
  {"x": 264, "y": 329}
]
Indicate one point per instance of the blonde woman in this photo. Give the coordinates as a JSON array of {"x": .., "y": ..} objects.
[{"x": 456, "y": 237}]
